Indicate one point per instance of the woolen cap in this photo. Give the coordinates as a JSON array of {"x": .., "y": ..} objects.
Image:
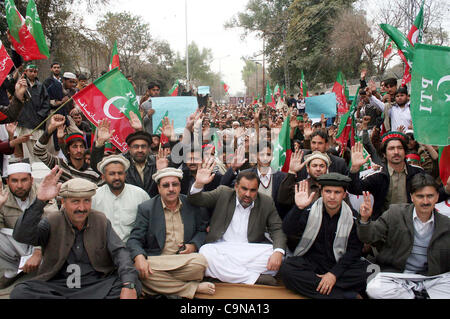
[
  {"x": 77, "y": 188},
  {"x": 334, "y": 179},
  {"x": 113, "y": 159},
  {"x": 318, "y": 155},
  {"x": 166, "y": 172}
]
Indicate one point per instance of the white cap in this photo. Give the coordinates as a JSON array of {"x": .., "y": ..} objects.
[
  {"x": 169, "y": 171},
  {"x": 18, "y": 168},
  {"x": 69, "y": 75}
]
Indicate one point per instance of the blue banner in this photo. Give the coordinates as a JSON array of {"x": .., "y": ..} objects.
[
  {"x": 203, "y": 90},
  {"x": 179, "y": 108},
  {"x": 316, "y": 105}
]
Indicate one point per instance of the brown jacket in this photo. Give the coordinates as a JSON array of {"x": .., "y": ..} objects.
[
  {"x": 61, "y": 240},
  {"x": 11, "y": 211}
]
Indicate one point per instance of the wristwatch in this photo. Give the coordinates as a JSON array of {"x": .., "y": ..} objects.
[{"x": 129, "y": 285}]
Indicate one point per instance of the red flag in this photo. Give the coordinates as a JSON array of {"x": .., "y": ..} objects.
[
  {"x": 110, "y": 97},
  {"x": 444, "y": 164},
  {"x": 338, "y": 89},
  {"x": 6, "y": 63}
]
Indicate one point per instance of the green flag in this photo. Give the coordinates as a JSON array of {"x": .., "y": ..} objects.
[
  {"x": 402, "y": 42},
  {"x": 34, "y": 25},
  {"x": 430, "y": 94},
  {"x": 282, "y": 149}
]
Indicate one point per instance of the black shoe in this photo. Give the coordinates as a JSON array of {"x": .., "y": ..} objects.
[
  {"x": 423, "y": 294},
  {"x": 6, "y": 282},
  {"x": 267, "y": 280}
]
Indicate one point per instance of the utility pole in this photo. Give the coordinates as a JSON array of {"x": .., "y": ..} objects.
[{"x": 187, "y": 46}]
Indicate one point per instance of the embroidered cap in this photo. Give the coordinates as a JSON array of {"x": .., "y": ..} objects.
[
  {"x": 393, "y": 135},
  {"x": 317, "y": 155}
]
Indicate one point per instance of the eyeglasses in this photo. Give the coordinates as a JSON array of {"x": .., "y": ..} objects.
[
  {"x": 136, "y": 147},
  {"x": 167, "y": 185}
]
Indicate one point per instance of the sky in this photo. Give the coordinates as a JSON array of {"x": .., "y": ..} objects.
[{"x": 206, "y": 19}]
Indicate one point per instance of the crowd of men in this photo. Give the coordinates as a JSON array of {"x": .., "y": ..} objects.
[{"x": 174, "y": 218}]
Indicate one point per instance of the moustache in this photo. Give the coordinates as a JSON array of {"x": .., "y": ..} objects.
[{"x": 81, "y": 212}]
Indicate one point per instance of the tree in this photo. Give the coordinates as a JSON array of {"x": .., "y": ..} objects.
[{"x": 132, "y": 35}]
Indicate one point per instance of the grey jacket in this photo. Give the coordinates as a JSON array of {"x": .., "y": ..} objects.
[{"x": 395, "y": 230}]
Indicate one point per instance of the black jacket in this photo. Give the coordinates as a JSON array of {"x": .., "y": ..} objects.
[
  {"x": 37, "y": 109},
  {"x": 378, "y": 185},
  {"x": 149, "y": 233}
]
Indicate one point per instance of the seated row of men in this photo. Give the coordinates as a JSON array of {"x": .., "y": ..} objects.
[
  {"x": 84, "y": 257},
  {"x": 164, "y": 215}
]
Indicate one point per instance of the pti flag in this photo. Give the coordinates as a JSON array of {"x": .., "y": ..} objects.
[
  {"x": 405, "y": 48},
  {"x": 26, "y": 35},
  {"x": 430, "y": 94},
  {"x": 269, "y": 100},
  {"x": 115, "y": 62},
  {"x": 174, "y": 90},
  {"x": 225, "y": 86},
  {"x": 303, "y": 87},
  {"x": 110, "y": 97},
  {"x": 163, "y": 139},
  {"x": 282, "y": 149},
  {"x": 6, "y": 63},
  {"x": 414, "y": 36},
  {"x": 338, "y": 89}
]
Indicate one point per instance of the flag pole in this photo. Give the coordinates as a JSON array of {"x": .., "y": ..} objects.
[
  {"x": 28, "y": 81},
  {"x": 54, "y": 112}
]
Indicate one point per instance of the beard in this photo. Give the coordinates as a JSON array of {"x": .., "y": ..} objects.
[
  {"x": 21, "y": 193},
  {"x": 116, "y": 185}
]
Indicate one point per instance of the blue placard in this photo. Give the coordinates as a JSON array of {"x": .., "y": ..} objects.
[
  {"x": 316, "y": 105},
  {"x": 179, "y": 107},
  {"x": 203, "y": 90}
]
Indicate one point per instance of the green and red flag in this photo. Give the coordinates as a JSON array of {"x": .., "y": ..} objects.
[
  {"x": 389, "y": 50},
  {"x": 282, "y": 149},
  {"x": 303, "y": 87},
  {"x": 283, "y": 93},
  {"x": 225, "y": 86},
  {"x": 404, "y": 45},
  {"x": 162, "y": 139},
  {"x": 26, "y": 35},
  {"x": 339, "y": 90},
  {"x": 414, "y": 36},
  {"x": 430, "y": 94},
  {"x": 347, "y": 127},
  {"x": 174, "y": 90},
  {"x": 110, "y": 97},
  {"x": 115, "y": 61},
  {"x": 217, "y": 143},
  {"x": 276, "y": 90},
  {"x": 269, "y": 100}
]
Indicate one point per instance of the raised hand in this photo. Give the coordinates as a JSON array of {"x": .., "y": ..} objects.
[
  {"x": 56, "y": 121},
  {"x": 363, "y": 74},
  {"x": 50, "y": 186},
  {"x": 293, "y": 123},
  {"x": 21, "y": 88},
  {"x": 238, "y": 159},
  {"x": 323, "y": 120},
  {"x": 11, "y": 129},
  {"x": 161, "y": 159},
  {"x": 135, "y": 122},
  {"x": 365, "y": 210},
  {"x": 307, "y": 130},
  {"x": 104, "y": 132},
  {"x": 296, "y": 164},
  {"x": 61, "y": 131},
  {"x": 204, "y": 174},
  {"x": 402, "y": 129},
  {"x": 302, "y": 197},
  {"x": 358, "y": 159}
]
